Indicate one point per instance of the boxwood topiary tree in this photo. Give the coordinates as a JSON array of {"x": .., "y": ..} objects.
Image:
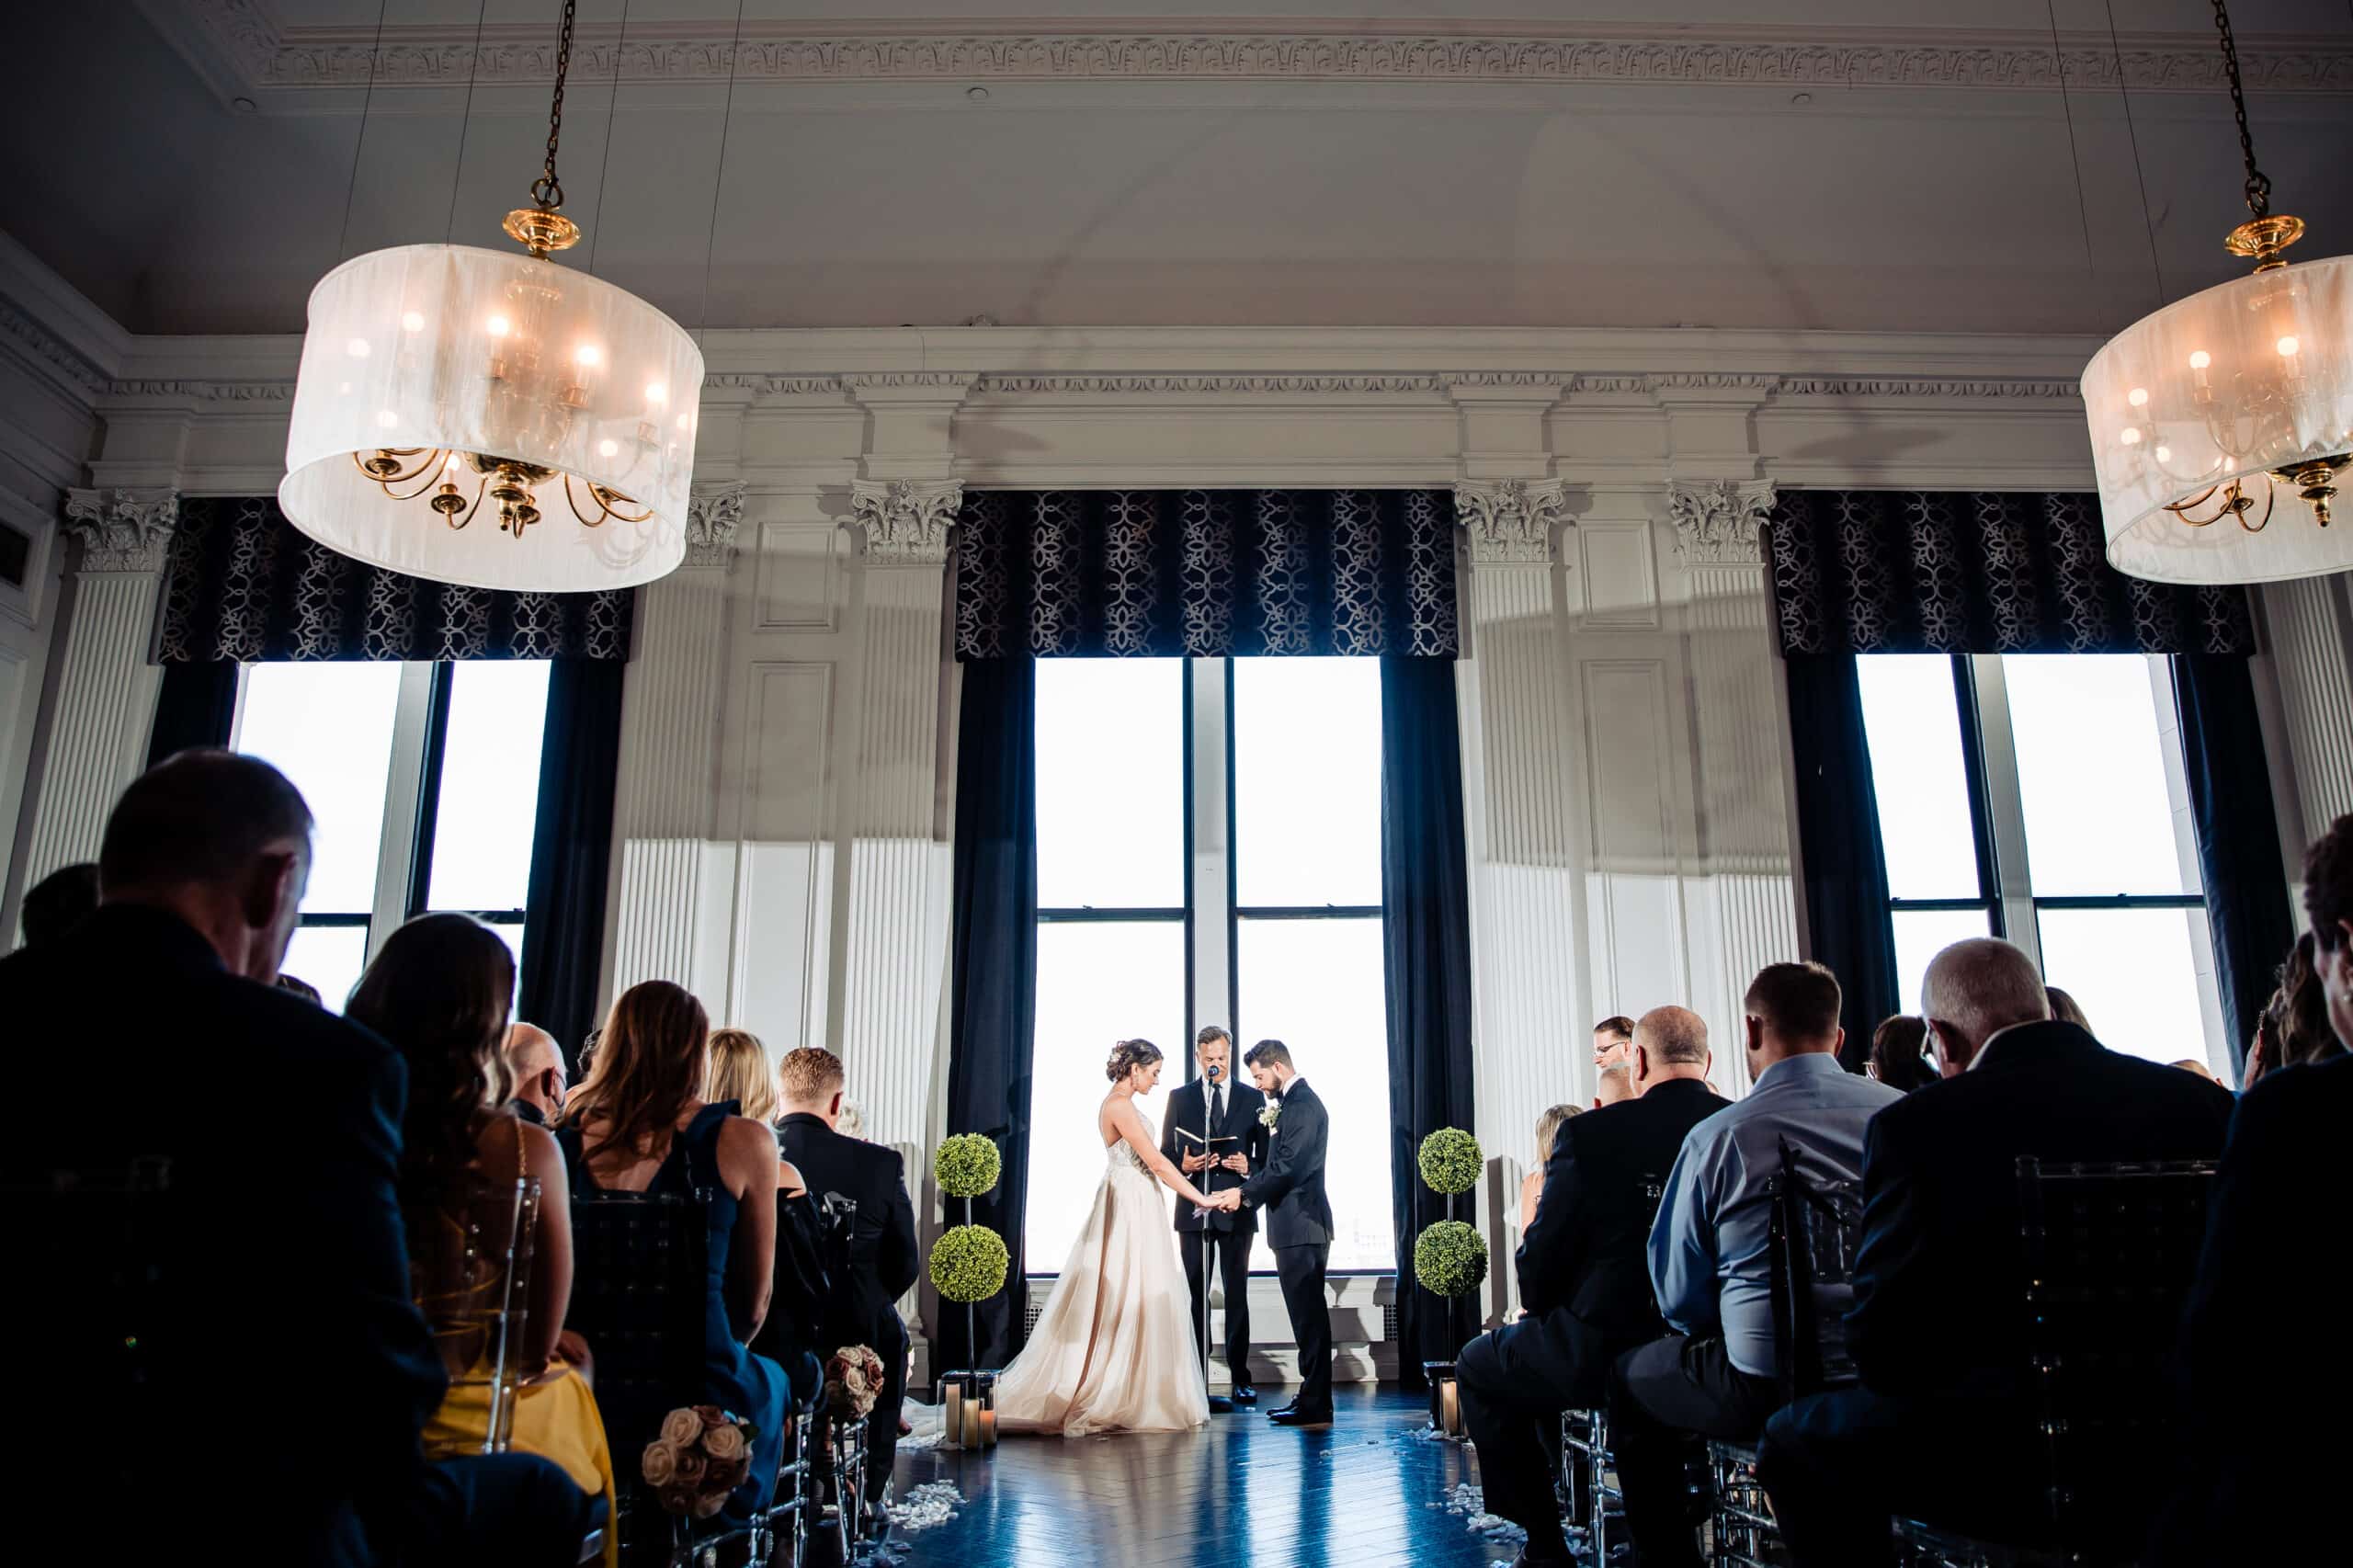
[
  {"x": 969, "y": 1264},
  {"x": 1451, "y": 1162},
  {"x": 1450, "y": 1258},
  {"x": 966, "y": 1165}
]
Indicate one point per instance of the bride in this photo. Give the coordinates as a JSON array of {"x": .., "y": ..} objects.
[{"x": 1113, "y": 1348}]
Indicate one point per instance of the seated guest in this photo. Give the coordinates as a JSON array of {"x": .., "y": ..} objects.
[
  {"x": 639, "y": 1123},
  {"x": 2266, "y": 1259},
  {"x": 1532, "y": 1186},
  {"x": 1898, "y": 1058},
  {"x": 881, "y": 1262},
  {"x": 534, "y": 1075},
  {"x": 1613, "y": 1084},
  {"x": 1710, "y": 1252},
  {"x": 2294, "y": 1026},
  {"x": 1582, "y": 1275},
  {"x": 280, "y": 1124},
  {"x": 58, "y": 902},
  {"x": 2065, "y": 1008},
  {"x": 1939, "y": 1429},
  {"x": 588, "y": 1044},
  {"x": 439, "y": 992},
  {"x": 741, "y": 1071}
]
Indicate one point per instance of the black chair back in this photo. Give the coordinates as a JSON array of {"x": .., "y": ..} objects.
[
  {"x": 640, "y": 1295},
  {"x": 1815, "y": 1231},
  {"x": 102, "y": 1239},
  {"x": 2110, "y": 1252}
]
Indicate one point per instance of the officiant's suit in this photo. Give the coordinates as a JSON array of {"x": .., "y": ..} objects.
[
  {"x": 1236, "y": 1111},
  {"x": 1584, "y": 1282},
  {"x": 882, "y": 1264},
  {"x": 1299, "y": 1229}
]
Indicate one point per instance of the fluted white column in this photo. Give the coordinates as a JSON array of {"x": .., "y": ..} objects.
[
  {"x": 1520, "y": 805},
  {"x": 899, "y": 865},
  {"x": 105, "y": 688},
  {"x": 1743, "y": 811},
  {"x": 670, "y": 735},
  {"x": 2312, "y": 647}
]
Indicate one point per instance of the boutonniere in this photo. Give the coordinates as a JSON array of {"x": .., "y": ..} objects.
[{"x": 1270, "y": 1113}]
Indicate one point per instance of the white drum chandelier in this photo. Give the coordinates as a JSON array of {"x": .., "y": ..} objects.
[
  {"x": 452, "y": 400},
  {"x": 2203, "y": 413}
]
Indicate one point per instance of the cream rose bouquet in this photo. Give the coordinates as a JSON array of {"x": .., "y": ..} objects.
[
  {"x": 853, "y": 1378},
  {"x": 702, "y": 1455}
]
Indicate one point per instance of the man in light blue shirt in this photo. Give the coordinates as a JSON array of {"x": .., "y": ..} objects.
[{"x": 1711, "y": 1256}]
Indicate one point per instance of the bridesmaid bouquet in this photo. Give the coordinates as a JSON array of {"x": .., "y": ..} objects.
[
  {"x": 702, "y": 1455},
  {"x": 853, "y": 1378}
]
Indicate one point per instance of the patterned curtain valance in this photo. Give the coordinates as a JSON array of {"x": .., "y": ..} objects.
[
  {"x": 246, "y": 584},
  {"x": 1985, "y": 572},
  {"x": 1205, "y": 573}
]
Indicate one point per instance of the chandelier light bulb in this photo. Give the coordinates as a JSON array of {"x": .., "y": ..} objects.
[
  {"x": 2138, "y": 397},
  {"x": 588, "y": 356},
  {"x": 412, "y": 322},
  {"x": 607, "y": 448},
  {"x": 357, "y": 349},
  {"x": 2287, "y": 346},
  {"x": 657, "y": 393},
  {"x": 2131, "y": 436},
  {"x": 2164, "y": 454},
  {"x": 499, "y": 326},
  {"x": 2200, "y": 360}
]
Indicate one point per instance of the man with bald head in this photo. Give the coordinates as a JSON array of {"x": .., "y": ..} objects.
[
  {"x": 1711, "y": 1250},
  {"x": 1582, "y": 1277},
  {"x": 1938, "y": 1330},
  {"x": 536, "y": 1068}
]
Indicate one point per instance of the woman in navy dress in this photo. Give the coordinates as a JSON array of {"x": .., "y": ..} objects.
[{"x": 639, "y": 1124}]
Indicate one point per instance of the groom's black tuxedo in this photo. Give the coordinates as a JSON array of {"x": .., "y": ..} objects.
[
  {"x": 1299, "y": 1227},
  {"x": 1229, "y": 1234}
]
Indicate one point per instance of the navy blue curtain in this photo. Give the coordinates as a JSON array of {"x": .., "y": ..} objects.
[
  {"x": 197, "y": 708},
  {"x": 1426, "y": 905},
  {"x": 1838, "y": 846},
  {"x": 993, "y": 1006},
  {"x": 563, "y": 925},
  {"x": 2238, "y": 836}
]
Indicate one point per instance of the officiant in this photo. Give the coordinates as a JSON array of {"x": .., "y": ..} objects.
[{"x": 1214, "y": 1128}]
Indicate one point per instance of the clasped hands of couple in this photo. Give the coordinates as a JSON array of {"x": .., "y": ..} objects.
[{"x": 1230, "y": 1199}]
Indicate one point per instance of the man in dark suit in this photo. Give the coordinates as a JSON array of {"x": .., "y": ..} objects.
[
  {"x": 278, "y": 1251},
  {"x": 1231, "y": 1112},
  {"x": 882, "y": 1261},
  {"x": 2261, "y": 1480},
  {"x": 1586, "y": 1283},
  {"x": 1299, "y": 1221},
  {"x": 1940, "y": 1428}
]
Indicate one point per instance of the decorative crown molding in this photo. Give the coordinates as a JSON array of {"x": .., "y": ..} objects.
[
  {"x": 1161, "y": 383},
  {"x": 1767, "y": 56},
  {"x": 34, "y": 342},
  {"x": 1510, "y": 520},
  {"x": 122, "y": 530},
  {"x": 714, "y": 511},
  {"x": 905, "y": 521},
  {"x": 1716, "y": 521}
]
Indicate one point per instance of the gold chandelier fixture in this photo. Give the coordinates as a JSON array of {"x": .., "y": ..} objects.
[
  {"x": 438, "y": 380},
  {"x": 2204, "y": 411}
]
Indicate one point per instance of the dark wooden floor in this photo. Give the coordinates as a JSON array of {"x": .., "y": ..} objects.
[{"x": 1362, "y": 1490}]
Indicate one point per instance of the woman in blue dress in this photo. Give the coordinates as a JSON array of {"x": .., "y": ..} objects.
[{"x": 639, "y": 1124}]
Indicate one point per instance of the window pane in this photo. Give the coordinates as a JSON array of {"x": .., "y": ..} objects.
[
  {"x": 1316, "y": 986},
  {"x": 1307, "y": 781},
  {"x": 1920, "y": 935},
  {"x": 490, "y": 784},
  {"x": 2135, "y": 973},
  {"x": 328, "y": 727},
  {"x": 1912, "y": 722},
  {"x": 329, "y": 956},
  {"x": 2099, "y": 814},
  {"x": 1110, "y": 785},
  {"x": 1096, "y": 983}
]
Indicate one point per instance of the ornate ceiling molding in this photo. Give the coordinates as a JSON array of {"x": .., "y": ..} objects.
[
  {"x": 905, "y": 521},
  {"x": 30, "y": 340},
  {"x": 1338, "y": 50},
  {"x": 714, "y": 513},
  {"x": 1510, "y": 520},
  {"x": 1717, "y": 521},
  {"x": 1159, "y": 384},
  {"x": 122, "y": 530}
]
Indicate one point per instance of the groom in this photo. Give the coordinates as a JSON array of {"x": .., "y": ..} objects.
[{"x": 1299, "y": 1221}]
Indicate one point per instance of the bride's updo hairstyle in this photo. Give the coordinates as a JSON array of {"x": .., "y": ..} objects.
[{"x": 1129, "y": 1055}]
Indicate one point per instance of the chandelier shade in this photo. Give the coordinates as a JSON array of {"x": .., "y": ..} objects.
[
  {"x": 2199, "y": 412},
  {"x": 451, "y": 398}
]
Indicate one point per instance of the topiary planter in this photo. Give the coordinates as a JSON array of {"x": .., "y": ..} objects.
[{"x": 1449, "y": 1258}]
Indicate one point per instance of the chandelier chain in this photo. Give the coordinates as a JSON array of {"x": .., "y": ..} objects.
[
  {"x": 2258, "y": 185},
  {"x": 548, "y": 191}
]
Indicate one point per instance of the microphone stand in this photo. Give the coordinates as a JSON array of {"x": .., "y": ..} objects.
[{"x": 1219, "y": 1404}]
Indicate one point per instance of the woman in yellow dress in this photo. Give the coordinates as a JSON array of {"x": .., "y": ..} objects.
[{"x": 439, "y": 991}]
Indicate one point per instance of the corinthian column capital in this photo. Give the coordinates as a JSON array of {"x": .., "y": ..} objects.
[
  {"x": 905, "y": 521},
  {"x": 1716, "y": 521},
  {"x": 122, "y": 530},
  {"x": 714, "y": 511},
  {"x": 1510, "y": 520}
]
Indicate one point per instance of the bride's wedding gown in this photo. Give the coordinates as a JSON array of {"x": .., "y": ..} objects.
[{"x": 1113, "y": 1349}]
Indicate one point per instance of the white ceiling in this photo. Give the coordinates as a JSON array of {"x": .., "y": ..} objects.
[{"x": 1497, "y": 163}]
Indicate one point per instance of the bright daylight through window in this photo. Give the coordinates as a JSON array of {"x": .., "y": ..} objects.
[
  {"x": 424, "y": 783},
  {"x": 2041, "y": 798},
  {"x": 1127, "y": 886}
]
